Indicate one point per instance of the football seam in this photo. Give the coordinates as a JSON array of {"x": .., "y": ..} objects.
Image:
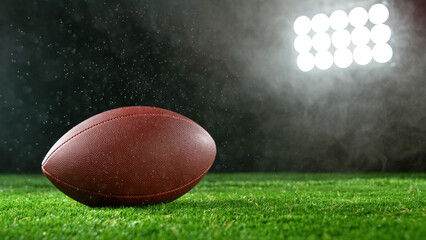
[
  {"x": 109, "y": 120},
  {"x": 124, "y": 196}
]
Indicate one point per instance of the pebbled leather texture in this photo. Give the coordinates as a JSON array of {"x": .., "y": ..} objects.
[{"x": 130, "y": 156}]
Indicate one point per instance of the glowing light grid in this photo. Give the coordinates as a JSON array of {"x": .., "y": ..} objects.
[{"x": 343, "y": 38}]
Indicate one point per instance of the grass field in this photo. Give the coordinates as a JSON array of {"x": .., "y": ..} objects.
[{"x": 229, "y": 206}]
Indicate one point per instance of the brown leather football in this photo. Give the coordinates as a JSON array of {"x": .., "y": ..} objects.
[{"x": 130, "y": 156}]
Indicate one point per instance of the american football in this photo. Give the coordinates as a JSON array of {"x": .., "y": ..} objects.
[{"x": 130, "y": 156}]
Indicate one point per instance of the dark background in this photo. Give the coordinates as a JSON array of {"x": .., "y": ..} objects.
[{"x": 228, "y": 65}]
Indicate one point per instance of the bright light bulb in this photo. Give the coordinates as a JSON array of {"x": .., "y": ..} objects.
[
  {"x": 360, "y": 36},
  {"x": 305, "y": 62},
  {"x": 362, "y": 55},
  {"x": 380, "y": 33},
  {"x": 378, "y": 13},
  {"x": 341, "y": 38},
  {"x": 343, "y": 58},
  {"x": 320, "y": 23},
  {"x": 358, "y": 17},
  {"x": 302, "y": 43},
  {"x": 321, "y": 41},
  {"x": 323, "y": 60},
  {"x": 302, "y": 25},
  {"x": 339, "y": 20},
  {"x": 382, "y": 53}
]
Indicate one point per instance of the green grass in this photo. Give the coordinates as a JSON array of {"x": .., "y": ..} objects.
[{"x": 229, "y": 206}]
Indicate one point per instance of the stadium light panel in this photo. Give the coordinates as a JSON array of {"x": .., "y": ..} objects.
[{"x": 316, "y": 37}]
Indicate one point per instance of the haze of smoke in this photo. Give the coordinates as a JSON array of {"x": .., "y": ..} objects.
[
  {"x": 369, "y": 118},
  {"x": 230, "y": 66}
]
